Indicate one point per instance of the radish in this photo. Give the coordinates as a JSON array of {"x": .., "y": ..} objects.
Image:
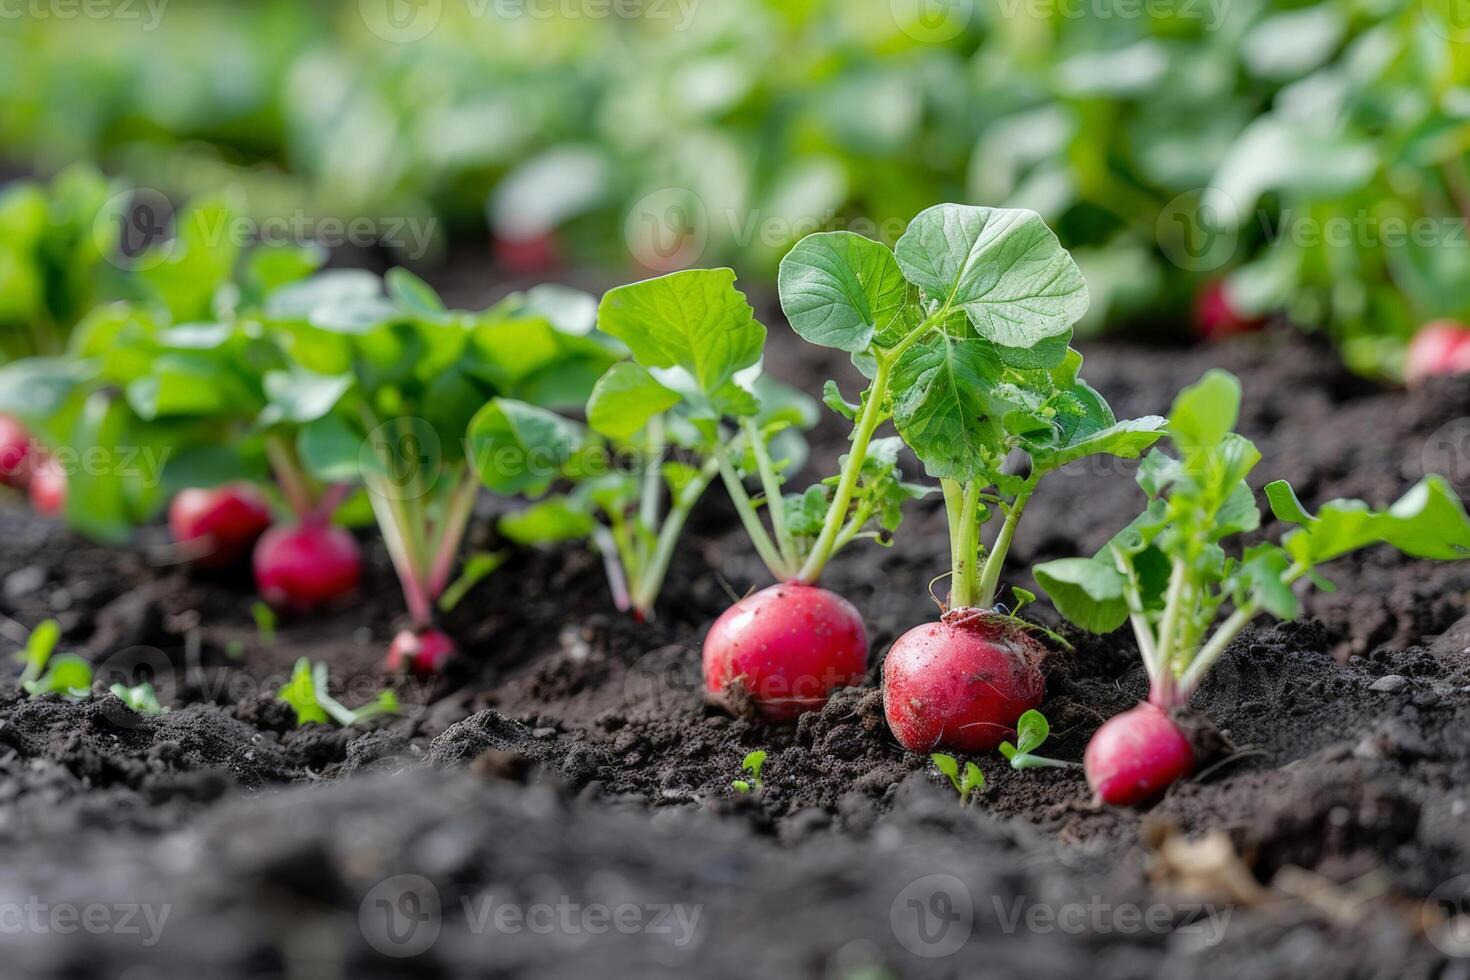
[
  {"x": 225, "y": 521},
  {"x": 305, "y": 566},
  {"x": 424, "y": 652},
  {"x": 48, "y": 487},
  {"x": 15, "y": 450},
  {"x": 527, "y": 256},
  {"x": 962, "y": 682},
  {"x": 1168, "y": 575},
  {"x": 786, "y": 648},
  {"x": 1137, "y": 755},
  {"x": 1215, "y": 316},
  {"x": 1439, "y": 348}
]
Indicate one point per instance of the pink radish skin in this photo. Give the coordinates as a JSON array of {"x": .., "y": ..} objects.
[
  {"x": 961, "y": 683},
  {"x": 226, "y": 521},
  {"x": 48, "y": 488},
  {"x": 1137, "y": 755},
  {"x": 789, "y": 647},
  {"x": 423, "y": 652},
  {"x": 303, "y": 567},
  {"x": 1439, "y": 348},
  {"x": 1215, "y": 317},
  {"x": 15, "y": 450}
]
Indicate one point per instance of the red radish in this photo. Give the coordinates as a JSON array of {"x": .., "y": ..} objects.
[
  {"x": 304, "y": 566},
  {"x": 526, "y": 256},
  {"x": 424, "y": 652},
  {"x": 787, "y": 647},
  {"x": 961, "y": 683},
  {"x": 15, "y": 449},
  {"x": 226, "y": 521},
  {"x": 1137, "y": 755},
  {"x": 1439, "y": 348},
  {"x": 1216, "y": 318},
  {"x": 48, "y": 487}
]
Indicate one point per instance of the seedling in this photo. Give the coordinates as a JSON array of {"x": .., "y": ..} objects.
[
  {"x": 1167, "y": 574},
  {"x": 140, "y": 698},
  {"x": 46, "y": 673},
  {"x": 972, "y": 314},
  {"x": 1032, "y": 730},
  {"x": 752, "y": 765},
  {"x": 306, "y": 692},
  {"x": 265, "y": 623},
  {"x": 969, "y": 783}
]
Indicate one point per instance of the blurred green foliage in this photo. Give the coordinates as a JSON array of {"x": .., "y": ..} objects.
[{"x": 1312, "y": 152}]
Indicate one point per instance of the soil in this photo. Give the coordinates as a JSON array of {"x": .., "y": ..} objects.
[{"x": 568, "y": 763}]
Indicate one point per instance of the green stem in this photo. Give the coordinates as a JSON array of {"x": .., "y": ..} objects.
[
  {"x": 954, "y": 501},
  {"x": 613, "y": 564},
  {"x": 1040, "y": 762},
  {"x": 771, "y": 483},
  {"x": 1200, "y": 664},
  {"x": 289, "y": 474},
  {"x": 391, "y": 520},
  {"x": 847, "y": 483},
  {"x": 964, "y": 557},
  {"x": 995, "y": 560},
  {"x": 651, "y": 582},
  {"x": 753, "y": 526},
  {"x": 460, "y": 507},
  {"x": 1162, "y": 692}
]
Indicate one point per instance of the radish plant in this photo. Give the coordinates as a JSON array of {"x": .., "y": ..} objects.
[
  {"x": 1168, "y": 575},
  {"x": 966, "y": 783},
  {"x": 963, "y": 331},
  {"x": 307, "y": 693},
  {"x": 1032, "y": 731},
  {"x": 752, "y": 765}
]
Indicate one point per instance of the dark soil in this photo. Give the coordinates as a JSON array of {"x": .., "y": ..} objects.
[{"x": 568, "y": 763}]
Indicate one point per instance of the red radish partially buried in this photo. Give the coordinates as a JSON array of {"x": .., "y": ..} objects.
[
  {"x": 1137, "y": 755},
  {"x": 526, "y": 256},
  {"x": 786, "y": 648},
  {"x": 1439, "y": 348},
  {"x": 225, "y": 521},
  {"x": 15, "y": 450},
  {"x": 1215, "y": 316},
  {"x": 962, "y": 682},
  {"x": 48, "y": 487},
  {"x": 424, "y": 652},
  {"x": 302, "y": 567}
]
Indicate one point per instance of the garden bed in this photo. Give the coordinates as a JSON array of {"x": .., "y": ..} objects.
[{"x": 568, "y": 759}]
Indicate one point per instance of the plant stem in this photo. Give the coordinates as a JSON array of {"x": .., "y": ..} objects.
[
  {"x": 289, "y": 474},
  {"x": 1162, "y": 689},
  {"x": 771, "y": 483},
  {"x": 995, "y": 560},
  {"x": 612, "y": 565},
  {"x": 651, "y": 581},
  {"x": 391, "y": 522},
  {"x": 648, "y": 500},
  {"x": 753, "y": 526},
  {"x": 1202, "y": 661},
  {"x": 964, "y": 552},
  {"x": 460, "y": 507},
  {"x": 847, "y": 483}
]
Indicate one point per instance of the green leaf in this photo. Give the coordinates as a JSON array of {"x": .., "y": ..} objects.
[
  {"x": 1003, "y": 267},
  {"x": 477, "y": 566},
  {"x": 97, "y": 501},
  {"x": 40, "y": 645},
  {"x": 695, "y": 320},
  {"x": 832, "y": 398},
  {"x": 520, "y": 449},
  {"x": 1032, "y": 730},
  {"x": 1262, "y": 579},
  {"x": 1428, "y": 521},
  {"x": 946, "y": 406},
  {"x": 550, "y": 521},
  {"x": 141, "y": 699},
  {"x": 67, "y": 675},
  {"x": 947, "y": 766},
  {"x": 1205, "y": 412},
  {"x": 842, "y": 290},
  {"x": 331, "y": 450},
  {"x": 1087, "y": 591},
  {"x": 1126, "y": 440},
  {"x": 300, "y": 396},
  {"x": 625, "y": 398},
  {"x": 412, "y": 293},
  {"x": 301, "y": 694}
]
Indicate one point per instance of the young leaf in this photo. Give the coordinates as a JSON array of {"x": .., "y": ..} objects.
[
  {"x": 947, "y": 406},
  {"x": 1428, "y": 521},
  {"x": 839, "y": 289},
  {"x": 1003, "y": 267},
  {"x": 625, "y": 398},
  {"x": 518, "y": 448},
  {"x": 141, "y": 698}
]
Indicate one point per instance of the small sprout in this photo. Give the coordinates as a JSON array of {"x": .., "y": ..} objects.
[
  {"x": 477, "y": 567},
  {"x": 753, "y": 764},
  {"x": 141, "y": 698},
  {"x": 265, "y": 623},
  {"x": 1031, "y": 731},
  {"x": 966, "y": 785},
  {"x": 306, "y": 692},
  {"x": 67, "y": 675}
]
